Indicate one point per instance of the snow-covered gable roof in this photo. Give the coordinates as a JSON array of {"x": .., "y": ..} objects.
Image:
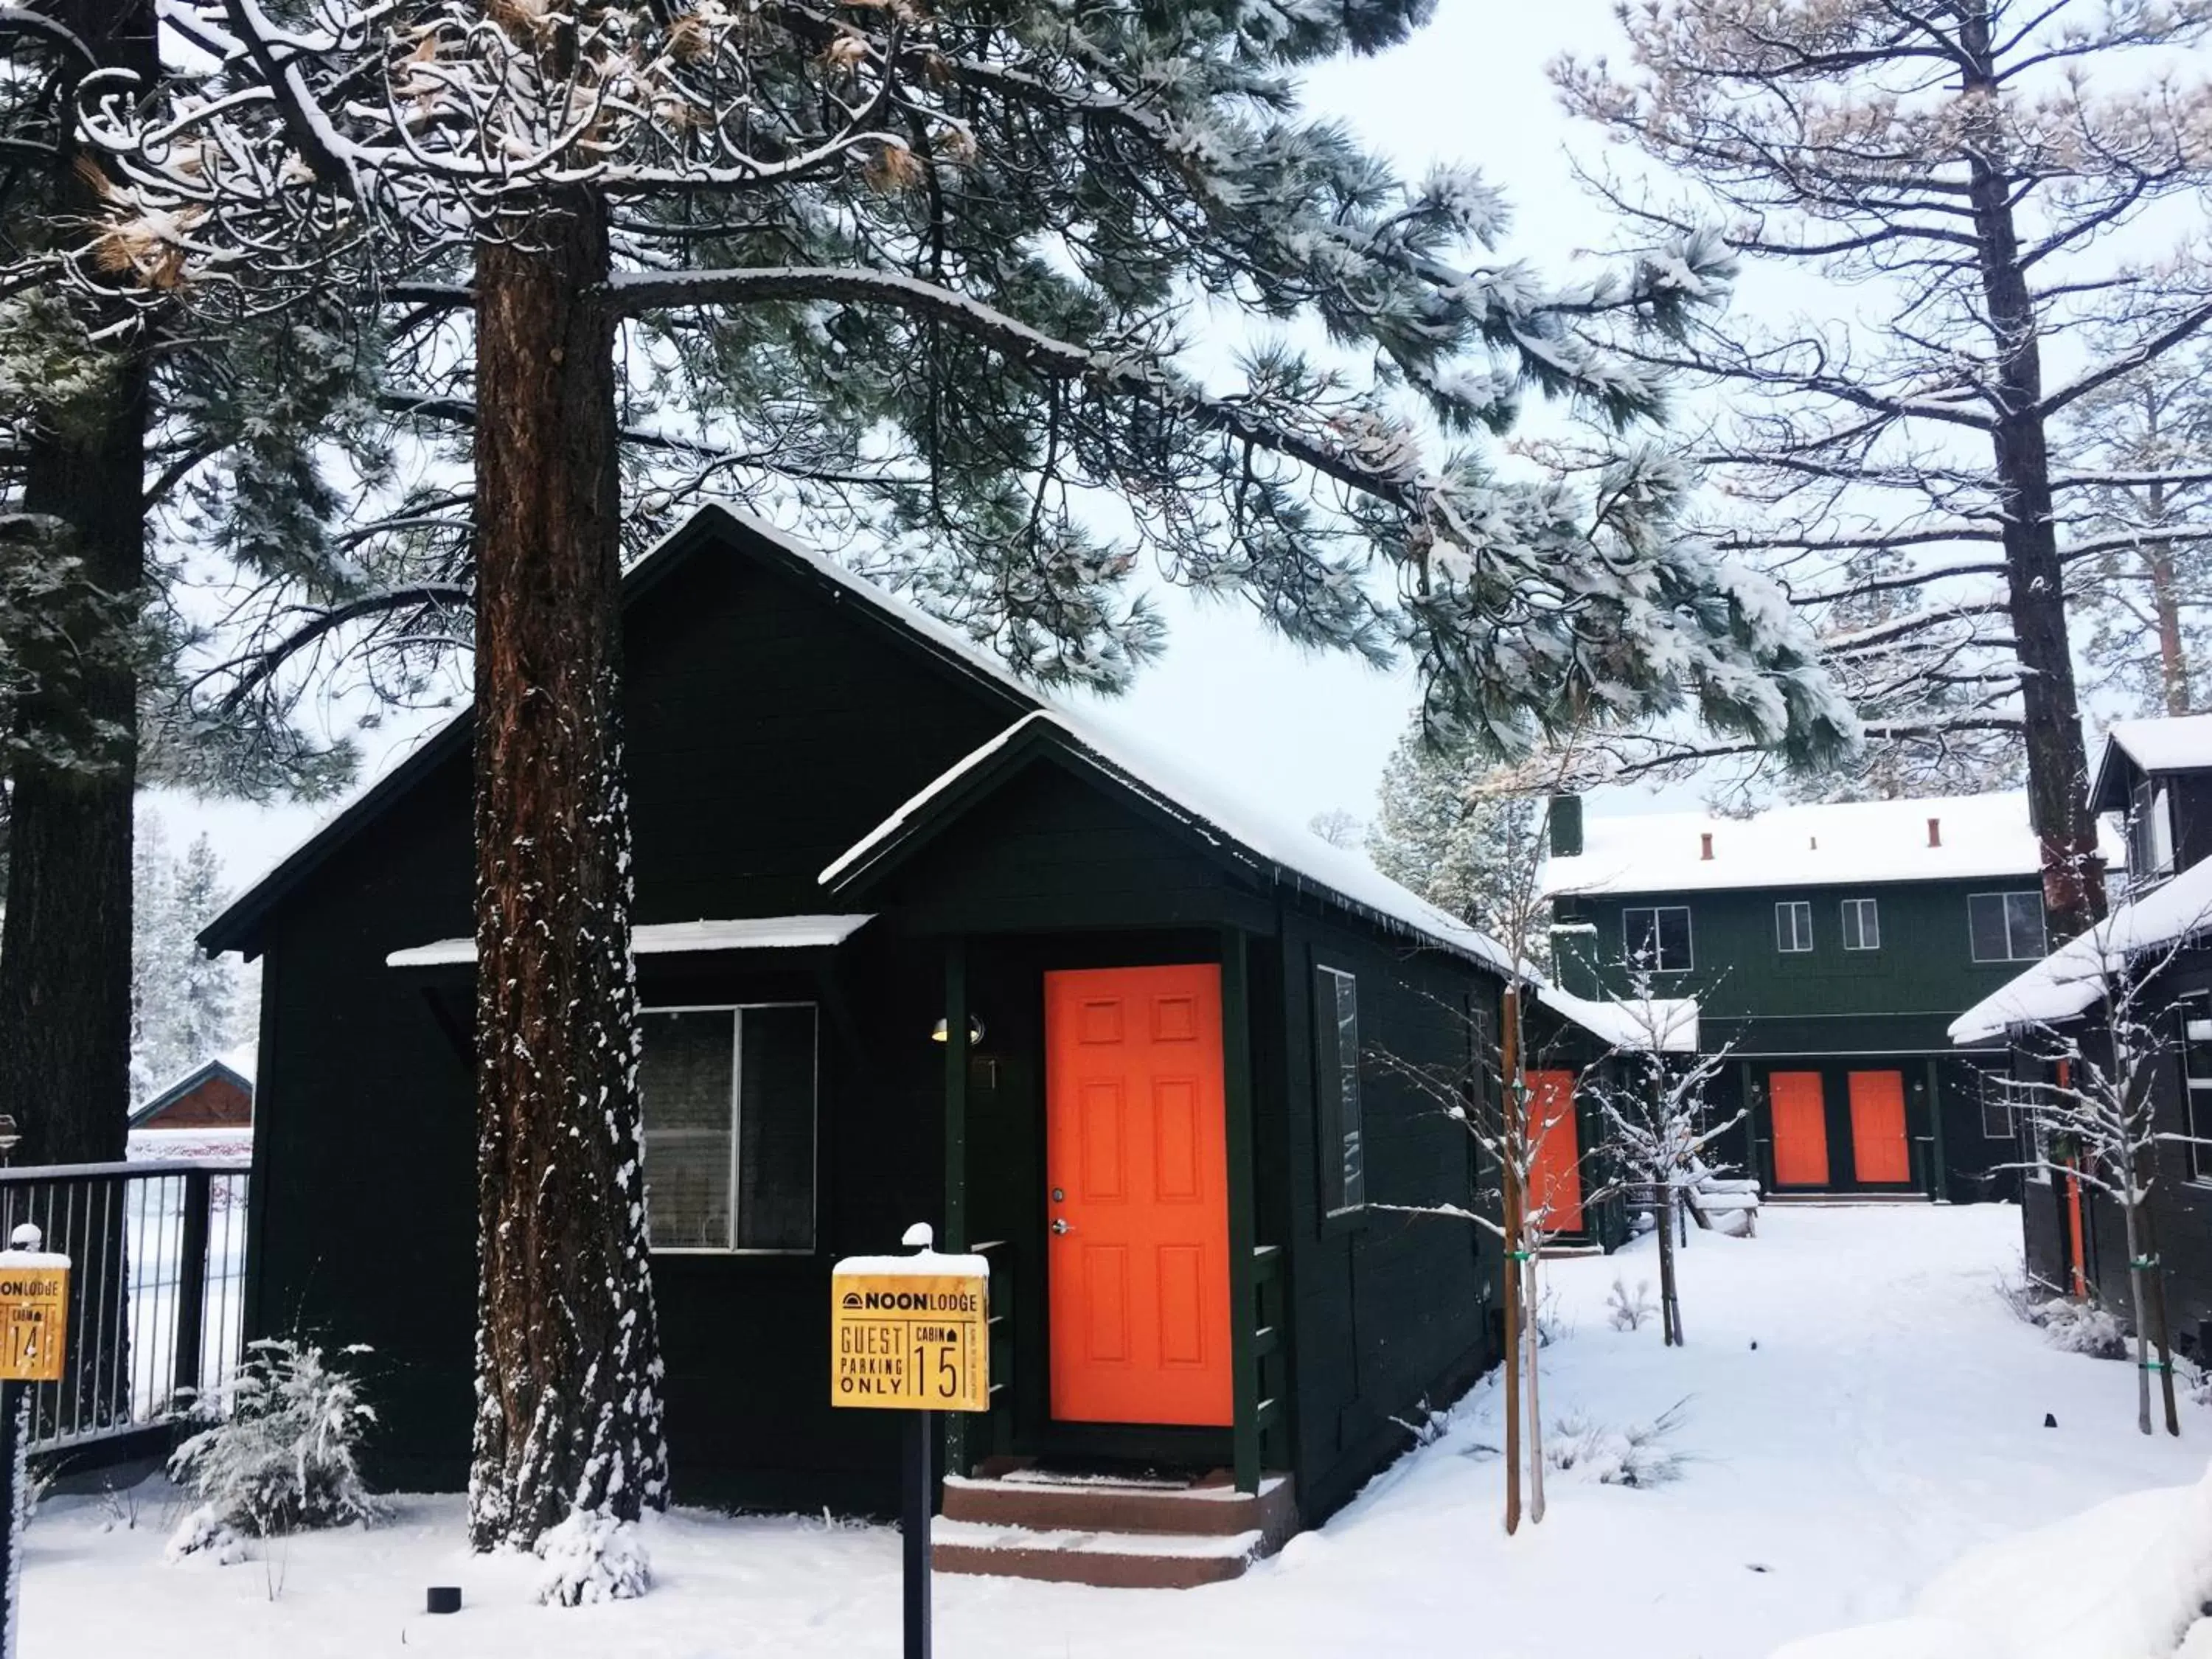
[
  {"x": 2071, "y": 980},
  {"x": 1239, "y": 828},
  {"x": 1630, "y": 1025},
  {"x": 235, "y": 1065},
  {"x": 666, "y": 938},
  {"x": 1835, "y": 844},
  {"x": 2180, "y": 743}
]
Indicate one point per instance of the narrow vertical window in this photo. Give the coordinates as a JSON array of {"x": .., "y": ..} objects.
[
  {"x": 2196, "y": 1099},
  {"x": 1793, "y": 927},
  {"x": 1342, "y": 1132},
  {"x": 2161, "y": 830},
  {"x": 1862, "y": 925}
]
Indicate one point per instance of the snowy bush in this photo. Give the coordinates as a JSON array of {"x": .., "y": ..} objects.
[
  {"x": 277, "y": 1454},
  {"x": 2073, "y": 1326},
  {"x": 1550, "y": 1320},
  {"x": 592, "y": 1557},
  {"x": 1625, "y": 1312},
  {"x": 1636, "y": 1456}
]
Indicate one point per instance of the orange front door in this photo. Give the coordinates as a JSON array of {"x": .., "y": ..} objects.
[
  {"x": 1800, "y": 1129},
  {"x": 1137, "y": 1162},
  {"x": 1878, "y": 1149},
  {"x": 1555, "y": 1179}
]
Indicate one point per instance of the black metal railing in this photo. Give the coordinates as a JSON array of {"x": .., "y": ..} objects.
[{"x": 157, "y": 1284}]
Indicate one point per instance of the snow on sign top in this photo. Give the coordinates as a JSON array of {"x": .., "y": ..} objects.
[
  {"x": 1936, "y": 838},
  {"x": 2179, "y": 744},
  {"x": 662, "y": 938},
  {"x": 2071, "y": 980}
]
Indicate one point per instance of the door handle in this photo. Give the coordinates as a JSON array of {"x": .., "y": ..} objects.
[{"x": 1059, "y": 1225}]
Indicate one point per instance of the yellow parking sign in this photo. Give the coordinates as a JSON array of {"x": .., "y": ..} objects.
[
  {"x": 910, "y": 1333},
  {"x": 33, "y": 1316}
]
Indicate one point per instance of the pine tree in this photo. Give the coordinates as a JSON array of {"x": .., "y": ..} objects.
[
  {"x": 2139, "y": 544},
  {"x": 918, "y": 277},
  {"x": 1978, "y": 178},
  {"x": 185, "y": 1005},
  {"x": 1457, "y": 829}
]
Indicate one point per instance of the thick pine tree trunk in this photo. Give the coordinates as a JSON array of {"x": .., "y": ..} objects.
[
  {"x": 66, "y": 939},
  {"x": 2057, "y": 762},
  {"x": 568, "y": 1346}
]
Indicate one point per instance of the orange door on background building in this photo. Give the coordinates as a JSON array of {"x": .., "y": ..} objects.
[
  {"x": 1800, "y": 1129},
  {"x": 1136, "y": 1160},
  {"x": 1556, "y": 1178},
  {"x": 1879, "y": 1154}
]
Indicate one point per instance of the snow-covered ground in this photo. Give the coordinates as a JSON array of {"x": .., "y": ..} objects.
[{"x": 1858, "y": 1410}]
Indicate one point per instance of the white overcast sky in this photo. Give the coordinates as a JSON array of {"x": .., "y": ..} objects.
[{"x": 1294, "y": 731}]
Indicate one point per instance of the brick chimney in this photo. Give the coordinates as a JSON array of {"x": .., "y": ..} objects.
[
  {"x": 1935, "y": 832},
  {"x": 1705, "y": 845}
]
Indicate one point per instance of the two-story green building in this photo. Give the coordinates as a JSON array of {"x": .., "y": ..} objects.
[{"x": 1829, "y": 947}]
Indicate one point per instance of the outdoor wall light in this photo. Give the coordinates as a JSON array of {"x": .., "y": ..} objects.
[{"x": 975, "y": 1031}]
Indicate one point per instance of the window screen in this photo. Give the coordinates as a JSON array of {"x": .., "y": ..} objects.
[
  {"x": 729, "y": 1100},
  {"x": 1793, "y": 927},
  {"x": 1657, "y": 937},
  {"x": 1997, "y": 1108},
  {"x": 1336, "y": 1084},
  {"x": 2006, "y": 926},
  {"x": 1862, "y": 925}
]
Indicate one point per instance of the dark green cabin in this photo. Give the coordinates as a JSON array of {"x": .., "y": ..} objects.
[
  {"x": 1829, "y": 948},
  {"x": 2154, "y": 780},
  {"x": 927, "y": 896}
]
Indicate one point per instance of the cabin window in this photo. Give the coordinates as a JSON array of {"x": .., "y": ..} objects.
[
  {"x": 1342, "y": 1132},
  {"x": 1793, "y": 927},
  {"x": 2196, "y": 1102},
  {"x": 1997, "y": 1108},
  {"x": 2006, "y": 926},
  {"x": 1862, "y": 925},
  {"x": 729, "y": 1100},
  {"x": 1657, "y": 937},
  {"x": 2160, "y": 831}
]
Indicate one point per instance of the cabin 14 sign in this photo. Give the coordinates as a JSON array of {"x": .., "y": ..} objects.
[{"x": 911, "y": 1333}]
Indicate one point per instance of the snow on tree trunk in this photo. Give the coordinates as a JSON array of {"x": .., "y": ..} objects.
[
  {"x": 569, "y": 1412},
  {"x": 2130, "y": 1204}
]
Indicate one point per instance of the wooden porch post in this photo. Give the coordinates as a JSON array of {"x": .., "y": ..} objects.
[
  {"x": 1236, "y": 1105},
  {"x": 1938, "y": 1178},
  {"x": 955, "y": 1235}
]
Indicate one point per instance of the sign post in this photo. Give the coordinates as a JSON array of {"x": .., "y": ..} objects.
[
  {"x": 34, "y": 1340},
  {"x": 911, "y": 1334}
]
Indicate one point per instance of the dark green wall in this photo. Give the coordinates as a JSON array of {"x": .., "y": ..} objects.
[{"x": 1900, "y": 998}]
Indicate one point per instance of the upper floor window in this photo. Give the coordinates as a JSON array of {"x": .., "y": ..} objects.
[
  {"x": 1862, "y": 925},
  {"x": 1336, "y": 1088},
  {"x": 2160, "y": 831},
  {"x": 2005, "y": 927},
  {"x": 729, "y": 1102},
  {"x": 1793, "y": 927},
  {"x": 1657, "y": 937}
]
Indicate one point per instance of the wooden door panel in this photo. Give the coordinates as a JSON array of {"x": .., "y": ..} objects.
[
  {"x": 1880, "y": 1155},
  {"x": 1801, "y": 1128},
  {"x": 1136, "y": 1142},
  {"x": 1555, "y": 1179}
]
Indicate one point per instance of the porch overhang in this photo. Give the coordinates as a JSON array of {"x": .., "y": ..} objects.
[{"x": 676, "y": 939}]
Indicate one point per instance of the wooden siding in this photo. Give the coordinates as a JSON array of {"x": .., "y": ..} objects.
[{"x": 215, "y": 1103}]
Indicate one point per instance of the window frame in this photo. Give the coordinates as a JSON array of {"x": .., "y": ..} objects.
[
  {"x": 2196, "y": 1049},
  {"x": 1343, "y": 1195},
  {"x": 1799, "y": 910},
  {"x": 1993, "y": 1093},
  {"x": 2006, "y": 898},
  {"x": 1864, "y": 909},
  {"x": 1659, "y": 964},
  {"x": 736, "y": 1011}
]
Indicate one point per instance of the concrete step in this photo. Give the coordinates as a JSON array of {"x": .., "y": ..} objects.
[
  {"x": 1110, "y": 1560},
  {"x": 1847, "y": 1200},
  {"x": 1013, "y": 1519}
]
